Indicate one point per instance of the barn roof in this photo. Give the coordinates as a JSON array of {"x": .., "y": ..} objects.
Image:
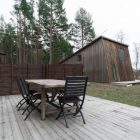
[{"x": 88, "y": 45}]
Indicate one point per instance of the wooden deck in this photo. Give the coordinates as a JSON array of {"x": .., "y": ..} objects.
[
  {"x": 125, "y": 83},
  {"x": 105, "y": 120}
]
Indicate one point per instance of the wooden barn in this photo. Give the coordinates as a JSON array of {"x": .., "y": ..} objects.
[{"x": 104, "y": 60}]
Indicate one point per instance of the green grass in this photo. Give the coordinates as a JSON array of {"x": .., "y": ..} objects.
[{"x": 127, "y": 95}]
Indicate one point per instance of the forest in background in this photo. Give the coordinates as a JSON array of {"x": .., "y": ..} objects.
[{"x": 39, "y": 32}]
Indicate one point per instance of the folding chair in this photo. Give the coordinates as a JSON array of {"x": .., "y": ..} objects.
[
  {"x": 23, "y": 101},
  {"x": 73, "y": 96},
  {"x": 28, "y": 98}
]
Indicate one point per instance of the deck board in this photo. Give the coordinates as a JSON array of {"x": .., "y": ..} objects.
[{"x": 105, "y": 120}]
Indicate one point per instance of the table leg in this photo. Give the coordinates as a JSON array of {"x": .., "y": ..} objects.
[{"x": 43, "y": 104}]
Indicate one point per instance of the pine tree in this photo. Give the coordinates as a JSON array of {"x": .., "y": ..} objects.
[
  {"x": 8, "y": 42},
  {"x": 54, "y": 22},
  {"x": 84, "y": 32},
  {"x": 17, "y": 16},
  {"x": 61, "y": 50}
]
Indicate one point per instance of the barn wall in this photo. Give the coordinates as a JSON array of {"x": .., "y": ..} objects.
[
  {"x": 123, "y": 67},
  {"x": 93, "y": 62},
  {"x": 101, "y": 62},
  {"x": 110, "y": 59}
]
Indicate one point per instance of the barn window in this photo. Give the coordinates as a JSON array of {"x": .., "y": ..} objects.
[
  {"x": 121, "y": 54},
  {"x": 79, "y": 57}
]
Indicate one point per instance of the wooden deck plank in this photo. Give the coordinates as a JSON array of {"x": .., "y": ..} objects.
[
  {"x": 20, "y": 120},
  {"x": 74, "y": 130},
  {"x": 117, "y": 122},
  {"x": 28, "y": 130},
  {"x": 13, "y": 122},
  {"x": 126, "y": 82},
  {"x": 1, "y": 119},
  {"x": 110, "y": 130},
  {"x": 6, "y": 125},
  {"x": 105, "y": 120},
  {"x": 43, "y": 128},
  {"x": 46, "y": 128},
  {"x": 118, "y": 111}
]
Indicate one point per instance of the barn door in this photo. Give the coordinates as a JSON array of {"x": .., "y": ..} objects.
[{"x": 114, "y": 73}]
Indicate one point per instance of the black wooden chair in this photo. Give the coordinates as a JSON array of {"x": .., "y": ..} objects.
[
  {"x": 73, "y": 97},
  {"x": 23, "y": 101},
  {"x": 29, "y": 98}
]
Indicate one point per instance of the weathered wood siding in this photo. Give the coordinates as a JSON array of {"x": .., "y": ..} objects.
[
  {"x": 99, "y": 58},
  {"x": 124, "y": 70},
  {"x": 93, "y": 62}
]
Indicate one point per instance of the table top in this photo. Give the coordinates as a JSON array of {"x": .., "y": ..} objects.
[{"x": 47, "y": 83}]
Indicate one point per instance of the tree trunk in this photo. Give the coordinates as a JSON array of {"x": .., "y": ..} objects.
[
  {"x": 24, "y": 42},
  {"x": 51, "y": 22},
  {"x": 82, "y": 37},
  {"x": 19, "y": 38}
]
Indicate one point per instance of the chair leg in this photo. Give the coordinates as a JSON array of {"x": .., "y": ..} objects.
[
  {"x": 82, "y": 117},
  {"x": 62, "y": 111},
  {"x": 26, "y": 109},
  {"x": 19, "y": 102},
  {"x": 35, "y": 107},
  {"x": 27, "y": 116},
  {"x": 61, "y": 107},
  {"x": 29, "y": 113},
  {"x": 65, "y": 119},
  {"x": 59, "y": 115},
  {"x": 77, "y": 111},
  {"x": 21, "y": 105}
]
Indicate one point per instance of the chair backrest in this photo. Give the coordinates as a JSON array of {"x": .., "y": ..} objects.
[
  {"x": 75, "y": 86},
  {"x": 23, "y": 87}
]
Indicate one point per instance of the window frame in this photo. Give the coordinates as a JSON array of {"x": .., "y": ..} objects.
[
  {"x": 79, "y": 57},
  {"x": 122, "y": 55}
]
